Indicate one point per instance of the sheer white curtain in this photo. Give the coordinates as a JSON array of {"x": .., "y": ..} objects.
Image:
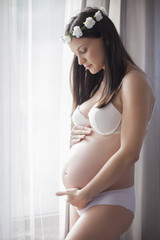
[
  {"x": 72, "y": 8},
  {"x": 30, "y": 97}
]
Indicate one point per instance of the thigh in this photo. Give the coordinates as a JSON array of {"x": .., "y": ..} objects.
[
  {"x": 74, "y": 216},
  {"x": 102, "y": 222}
]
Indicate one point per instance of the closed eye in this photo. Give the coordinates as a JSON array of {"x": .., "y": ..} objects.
[{"x": 83, "y": 51}]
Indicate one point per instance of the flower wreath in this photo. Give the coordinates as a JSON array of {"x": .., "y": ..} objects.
[{"x": 89, "y": 23}]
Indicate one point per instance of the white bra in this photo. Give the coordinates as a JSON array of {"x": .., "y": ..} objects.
[{"x": 105, "y": 121}]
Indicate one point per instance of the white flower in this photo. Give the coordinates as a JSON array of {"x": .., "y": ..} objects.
[
  {"x": 103, "y": 11},
  {"x": 77, "y": 32},
  {"x": 66, "y": 38},
  {"x": 98, "y": 16},
  {"x": 89, "y": 23}
]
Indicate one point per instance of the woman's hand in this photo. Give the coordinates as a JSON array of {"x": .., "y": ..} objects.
[
  {"x": 79, "y": 133},
  {"x": 75, "y": 196}
]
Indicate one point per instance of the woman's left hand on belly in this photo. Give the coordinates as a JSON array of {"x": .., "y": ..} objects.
[
  {"x": 75, "y": 197},
  {"x": 79, "y": 133}
]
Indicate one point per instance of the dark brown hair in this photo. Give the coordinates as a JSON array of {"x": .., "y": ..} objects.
[{"x": 83, "y": 83}]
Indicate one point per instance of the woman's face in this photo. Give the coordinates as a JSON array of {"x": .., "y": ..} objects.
[{"x": 90, "y": 53}]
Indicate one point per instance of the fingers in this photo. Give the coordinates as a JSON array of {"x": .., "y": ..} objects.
[
  {"x": 62, "y": 193},
  {"x": 81, "y": 130},
  {"x": 69, "y": 191},
  {"x": 74, "y": 141},
  {"x": 77, "y": 136},
  {"x": 79, "y": 133}
]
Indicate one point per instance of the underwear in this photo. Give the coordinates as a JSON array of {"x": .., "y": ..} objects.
[
  {"x": 122, "y": 197},
  {"x": 105, "y": 120}
]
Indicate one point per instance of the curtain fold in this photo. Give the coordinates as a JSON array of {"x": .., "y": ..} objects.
[
  {"x": 30, "y": 87},
  {"x": 115, "y": 13},
  {"x": 12, "y": 135},
  {"x": 100, "y": 3},
  {"x": 141, "y": 34},
  {"x": 151, "y": 168},
  {"x": 65, "y": 105}
]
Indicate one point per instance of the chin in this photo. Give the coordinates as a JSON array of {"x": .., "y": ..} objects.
[{"x": 94, "y": 71}]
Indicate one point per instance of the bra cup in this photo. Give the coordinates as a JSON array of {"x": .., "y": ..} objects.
[
  {"x": 105, "y": 120},
  {"x": 78, "y": 118}
]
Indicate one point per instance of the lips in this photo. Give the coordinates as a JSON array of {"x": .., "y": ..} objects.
[{"x": 88, "y": 67}]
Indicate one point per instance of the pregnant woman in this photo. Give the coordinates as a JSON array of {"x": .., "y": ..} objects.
[{"x": 112, "y": 106}]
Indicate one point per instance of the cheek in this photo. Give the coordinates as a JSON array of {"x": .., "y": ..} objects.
[
  {"x": 100, "y": 60},
  {"x": 100, "y": 57}
]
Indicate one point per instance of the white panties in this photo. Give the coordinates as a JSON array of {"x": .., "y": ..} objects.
[{"x": 122, "y": 197}]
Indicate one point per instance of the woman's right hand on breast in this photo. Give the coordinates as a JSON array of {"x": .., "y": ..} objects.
[{"x": 79, "y": 133}]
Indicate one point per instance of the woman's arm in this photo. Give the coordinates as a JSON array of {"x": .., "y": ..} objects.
[{"x": 137, "y": 104}]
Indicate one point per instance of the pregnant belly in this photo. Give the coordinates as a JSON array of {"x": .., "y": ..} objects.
[{"x": 86, "y": 158}]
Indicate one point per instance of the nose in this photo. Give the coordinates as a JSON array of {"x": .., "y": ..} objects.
[{"x": 81, "y": 60}]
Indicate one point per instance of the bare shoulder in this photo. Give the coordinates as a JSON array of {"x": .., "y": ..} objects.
[
  {"x": 137, "y": 91},
  {"x": 138, "y": 79},
  {"x": 136, "y": 83}
]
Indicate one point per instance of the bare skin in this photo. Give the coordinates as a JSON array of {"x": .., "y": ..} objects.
[
  {"x": 111, "y": 164},
  {"x": 101, "y": 222}
]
